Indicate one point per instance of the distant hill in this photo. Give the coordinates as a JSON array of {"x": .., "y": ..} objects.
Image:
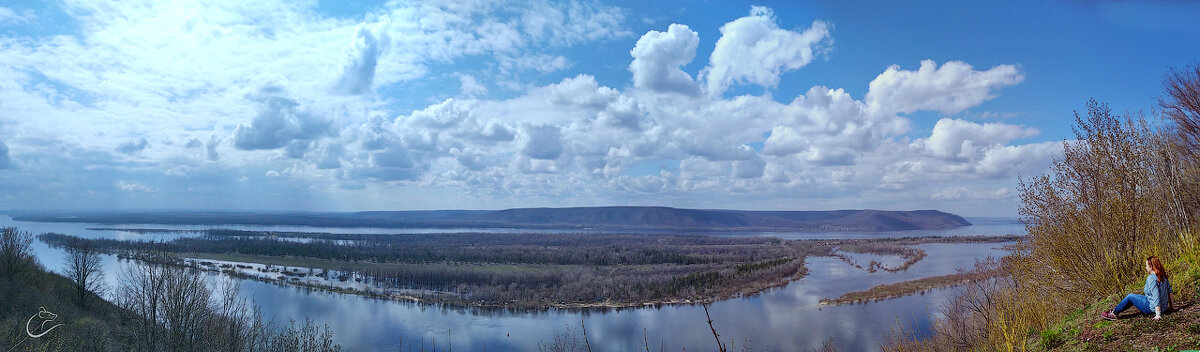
[{"x": 617, "y": 218}]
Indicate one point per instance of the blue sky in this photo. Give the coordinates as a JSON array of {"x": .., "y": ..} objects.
[{"x": 483, "y": 105}]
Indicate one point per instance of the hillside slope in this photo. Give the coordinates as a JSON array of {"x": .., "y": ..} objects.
[{"x": 1084, "y": 330}]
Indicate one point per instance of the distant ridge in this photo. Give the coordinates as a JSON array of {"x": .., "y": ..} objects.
[{"x": 617, "y": 218}]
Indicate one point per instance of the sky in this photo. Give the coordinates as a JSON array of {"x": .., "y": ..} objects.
[{"x": 348, "y": 106}]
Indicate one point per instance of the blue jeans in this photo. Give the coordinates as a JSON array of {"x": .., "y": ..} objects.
[{"x": 1140, "y": 301}]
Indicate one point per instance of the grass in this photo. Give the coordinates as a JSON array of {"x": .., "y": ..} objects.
[{"x": 1084, "y": 330}]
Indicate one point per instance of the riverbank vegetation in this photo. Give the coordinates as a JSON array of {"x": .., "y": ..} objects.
[
  {"x": 156, "y": 308},
  {"x": 1125, "y": 189},
  {"x": 525, "y": 271}
]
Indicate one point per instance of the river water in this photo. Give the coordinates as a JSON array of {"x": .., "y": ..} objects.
[{"x": 786, "y": 319}]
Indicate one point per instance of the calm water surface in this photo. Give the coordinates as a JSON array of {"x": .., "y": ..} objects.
[{"x": 785, "y": 319}]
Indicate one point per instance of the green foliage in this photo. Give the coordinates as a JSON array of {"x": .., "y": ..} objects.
[
  {"x": 1052, "y": 338},
  {"x": 1185, "y": 275}
]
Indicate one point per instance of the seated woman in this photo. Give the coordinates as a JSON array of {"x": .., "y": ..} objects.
[{"x": 1158, "y": 293}]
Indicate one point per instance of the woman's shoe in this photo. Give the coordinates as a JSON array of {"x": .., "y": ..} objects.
[{"x": 1108, "y": 316}]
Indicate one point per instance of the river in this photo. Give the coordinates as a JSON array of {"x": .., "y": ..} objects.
[{"x": 786, "y": 319}]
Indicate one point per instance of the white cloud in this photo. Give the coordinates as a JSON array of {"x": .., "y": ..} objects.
[
  {"x": 470, "y": 87},
  {"x": 9, "y": 16},
  {"x": 1013, "y": 160},
  {"x": 962, "y": 139},
  {"x": 950, "y": 89},
  {"x": 750, "y": 168},
  {"x": 658, "y": 56},
  {"x": 541, "y": 63},
  {"x": 280, "y": 121},
  {"x": 753, "y": 49},
  {"x": 272, "y": 76},
  {"x": 362, "y": 56},
  {"x": 828, "y": 127},
  {"x": 958, "y": 193},
  {"x": 541, "y": 142},
  {"x": 572, "y": 22}
]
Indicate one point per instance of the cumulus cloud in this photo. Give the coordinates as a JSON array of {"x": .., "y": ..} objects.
[
  {"x": 659, "y": 56},
  {"x": 330, "y": 156},
  {"x": 785, "y": 140},
  {"x": 542, "y": 142},
  {"x": 1012, "y": 160},
  {"x": 950, "y": 89},
  {"x": 753, "y": 49},
  {"x": 297, "y": 148},
  {"x": 133, "y": 146},
  {"x": 575, "y": 140},
  {"x": 750, "y": 168},
  {"x": 279, "y": 122},
  {"x": 961, "y": 139},
  {"x": 362, "y": 56},
  {"x": 391, "y": 164},
  {"x": 829, "y": 127}
]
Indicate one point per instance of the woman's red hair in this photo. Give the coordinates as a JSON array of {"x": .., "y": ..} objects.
[{"x": 1157, "y": 267}]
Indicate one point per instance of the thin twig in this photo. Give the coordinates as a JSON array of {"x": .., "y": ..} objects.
[
  {"x": 645, "y": 341},
  {"x": 720, "y": 346},
  {"x": 585, "y": 338}
]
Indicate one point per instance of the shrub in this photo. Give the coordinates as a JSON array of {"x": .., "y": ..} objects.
[{"x": 1052, "y": 338}]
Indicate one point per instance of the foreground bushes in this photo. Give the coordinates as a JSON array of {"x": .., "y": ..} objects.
[
  {"x": 159, "y": 307},
  {"x": 1122, "y": 191}
]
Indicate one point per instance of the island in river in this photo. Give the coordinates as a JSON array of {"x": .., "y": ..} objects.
[{"x": 513, "y": 270}]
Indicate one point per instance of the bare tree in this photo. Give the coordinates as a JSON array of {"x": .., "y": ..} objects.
[
  {"x": 15, "y": 255},
  {"x": 1100, "y": 210},
  {"x": 83, "y": 268},
  {"x": 141, "y": 292},
  {"x": 1182, "y": 107},
  {"x": 564, "y": 341},
  {"x": 15, "y": 259},
  {"x": 178, "y": 310}
]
